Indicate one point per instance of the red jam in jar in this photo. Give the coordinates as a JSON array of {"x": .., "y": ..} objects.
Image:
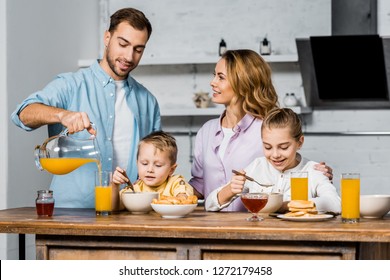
[{"x": 45, "y": 203}]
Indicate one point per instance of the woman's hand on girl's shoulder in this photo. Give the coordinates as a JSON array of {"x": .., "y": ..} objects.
[{"x": 326, "y": 170}]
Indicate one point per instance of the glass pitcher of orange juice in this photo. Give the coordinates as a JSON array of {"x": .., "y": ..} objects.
[{"x": 63, "y": 153}]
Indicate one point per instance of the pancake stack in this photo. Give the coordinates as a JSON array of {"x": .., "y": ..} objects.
[{"x": 301, "y": 208}]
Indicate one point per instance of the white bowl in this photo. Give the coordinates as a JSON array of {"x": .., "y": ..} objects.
[
  {"x": 275, "y": 201},
  {"x": 138, "y": 202},
  {"x": 374, "y": 206},
  {"x": 173, "y": 210}
]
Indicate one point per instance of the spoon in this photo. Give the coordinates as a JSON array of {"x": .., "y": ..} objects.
[
  {"x": 251, "y": 179},
  {"x": 129, "y": 184}
]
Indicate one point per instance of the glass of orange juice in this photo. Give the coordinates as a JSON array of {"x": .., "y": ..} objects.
[
  {"x": 299, "y": 185},
  {"x": 103, "y": 193},
  {"x": 350, "y": 197}
]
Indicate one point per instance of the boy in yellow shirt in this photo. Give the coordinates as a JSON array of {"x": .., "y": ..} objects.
[{"x": 156, "y": 162}]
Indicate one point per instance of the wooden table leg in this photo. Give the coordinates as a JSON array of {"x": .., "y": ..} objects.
[{"x": 22, "y": 246}]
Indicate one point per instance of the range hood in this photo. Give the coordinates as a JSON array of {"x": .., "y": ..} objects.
[{"x": 345, "y": 71}]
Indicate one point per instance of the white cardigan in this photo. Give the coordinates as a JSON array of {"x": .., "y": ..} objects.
[{"x": 321, "y": 191}]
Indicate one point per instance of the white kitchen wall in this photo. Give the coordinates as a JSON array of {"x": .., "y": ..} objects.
[
  {"x": 191, "y": 30},
  {"x": 187, "y": 28},
  {"x": 3, "y": 124},
  {"x": 384, "y": 17},
  {"x": 368, "y": 154}
]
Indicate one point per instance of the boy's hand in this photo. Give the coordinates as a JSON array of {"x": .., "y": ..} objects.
[{"x": 120, "y": 177}]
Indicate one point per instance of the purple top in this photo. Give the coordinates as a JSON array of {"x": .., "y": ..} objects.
[{"x": 208, "y": 170}]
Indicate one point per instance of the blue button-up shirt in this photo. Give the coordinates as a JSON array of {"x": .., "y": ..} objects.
[{"x": 92, "y": 91}]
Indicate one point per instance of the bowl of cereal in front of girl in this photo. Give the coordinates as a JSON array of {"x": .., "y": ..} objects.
[{"x": 274, "y": 203}]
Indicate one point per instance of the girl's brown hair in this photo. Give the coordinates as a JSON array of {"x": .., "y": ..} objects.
[{"x": 281, "y": 118}]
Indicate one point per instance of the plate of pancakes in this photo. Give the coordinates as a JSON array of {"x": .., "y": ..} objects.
[{"x": 303, "y": 211}]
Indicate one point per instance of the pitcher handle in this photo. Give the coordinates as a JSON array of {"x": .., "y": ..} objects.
[
  {"x": 65, "y": 132},
  {"x": 37, "y": 158}
]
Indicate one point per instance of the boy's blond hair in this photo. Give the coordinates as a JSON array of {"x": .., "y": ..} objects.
[{"x": 162, "y": 141}]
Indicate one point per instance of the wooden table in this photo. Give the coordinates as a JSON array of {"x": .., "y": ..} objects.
[{"x": 80, "y": 234}]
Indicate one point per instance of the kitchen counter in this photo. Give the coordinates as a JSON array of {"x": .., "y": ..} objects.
[{"x": 80, "y": 234}]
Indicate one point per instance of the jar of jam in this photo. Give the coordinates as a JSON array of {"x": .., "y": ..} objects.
[{"x": 45, "y": 203}]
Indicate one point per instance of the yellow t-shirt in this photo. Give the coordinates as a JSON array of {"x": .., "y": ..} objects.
[{"x": 174, "y": 185}]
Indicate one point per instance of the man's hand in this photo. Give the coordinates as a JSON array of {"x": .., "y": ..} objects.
[{"x": 76, "y": 121}]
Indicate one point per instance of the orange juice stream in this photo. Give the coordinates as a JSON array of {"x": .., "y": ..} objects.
[
  {"x": 299, "y": 189},
  {"x": 350, "y": 197}
]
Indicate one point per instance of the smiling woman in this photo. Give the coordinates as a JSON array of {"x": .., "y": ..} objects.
[{"x": 242, "y": 83}]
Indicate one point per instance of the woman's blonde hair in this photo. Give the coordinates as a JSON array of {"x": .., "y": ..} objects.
[
  {"x": 282, "y": 118},
  {"x": 250, "y": 78}
]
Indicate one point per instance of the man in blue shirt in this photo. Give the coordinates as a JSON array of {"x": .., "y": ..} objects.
[{"x": 122, "y": 110}]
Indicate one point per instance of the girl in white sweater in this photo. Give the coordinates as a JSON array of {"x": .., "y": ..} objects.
[{"x": 282, "y": 137}]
